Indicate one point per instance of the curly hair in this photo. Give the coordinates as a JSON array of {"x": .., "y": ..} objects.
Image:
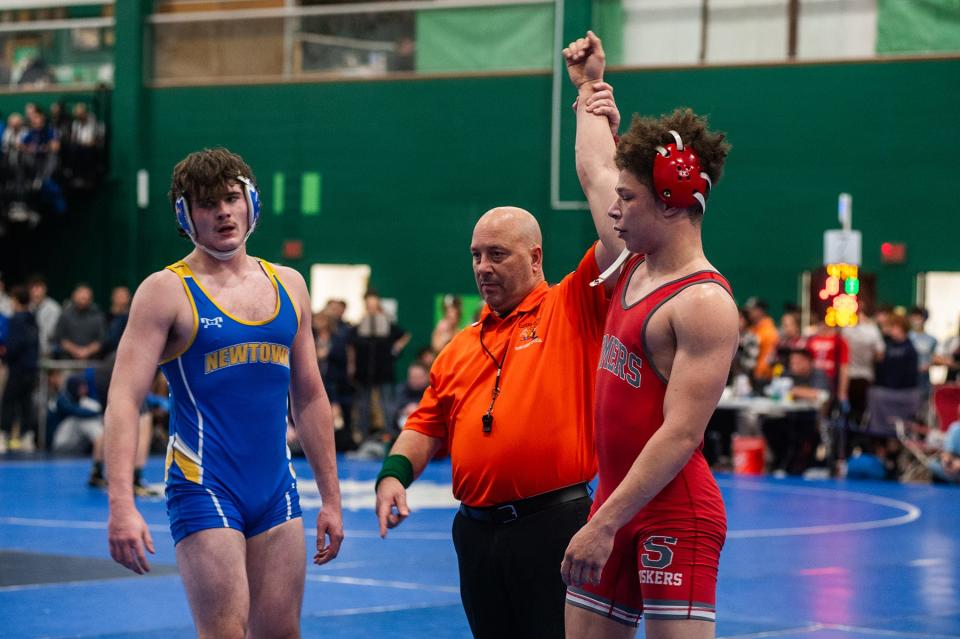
[
  {"x": 207, "y": 174},
  {"x": 637, "y": 147}
]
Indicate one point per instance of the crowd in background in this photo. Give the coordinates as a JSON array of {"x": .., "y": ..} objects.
[
  {"x": 65, "y": 352},
  {"x": 358, "y": 363},
  {"x": 850, "y": 378},
  {"x": 857, "y": 382},
  {"x": 46, "y": 156},
  {"x": 70, "y": 347}
]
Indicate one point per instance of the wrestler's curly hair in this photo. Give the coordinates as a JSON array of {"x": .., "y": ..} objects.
[
  {"x": 207, "y": 174},
  {"x": 637, "y": 148}
]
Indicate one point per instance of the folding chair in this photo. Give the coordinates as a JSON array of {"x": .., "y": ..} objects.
[
  {"x": 923, "y": 442},
  {"x": 889, "y": 414},
  {"x": 885, "y": 406}
]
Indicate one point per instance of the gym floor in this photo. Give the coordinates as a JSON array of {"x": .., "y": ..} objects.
[{"x": 803, "y": 560}]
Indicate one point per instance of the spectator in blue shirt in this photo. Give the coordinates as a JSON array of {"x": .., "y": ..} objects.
[
  {"x": 21, "y": 355},
  {"x": 925, "y": 345},
  {"x": 946, "y": 466}
]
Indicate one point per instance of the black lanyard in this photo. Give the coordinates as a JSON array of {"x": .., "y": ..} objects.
[{"x": 487, "y": 418}]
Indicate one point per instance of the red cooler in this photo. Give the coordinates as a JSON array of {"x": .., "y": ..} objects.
[{"x": 748, "y": 455}]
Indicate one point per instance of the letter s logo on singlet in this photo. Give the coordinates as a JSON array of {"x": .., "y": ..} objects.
[{"x": 658, "y": 554}]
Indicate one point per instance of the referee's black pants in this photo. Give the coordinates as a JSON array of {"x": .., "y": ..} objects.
[{"x": 510, "y": 573}]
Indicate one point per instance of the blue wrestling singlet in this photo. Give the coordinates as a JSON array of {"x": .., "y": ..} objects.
[{"x": 228, "y": 465}]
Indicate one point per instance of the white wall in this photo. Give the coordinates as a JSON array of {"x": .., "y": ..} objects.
[
  {"x": 837, "y": 29},
  {"x": 667, "y": 32}
]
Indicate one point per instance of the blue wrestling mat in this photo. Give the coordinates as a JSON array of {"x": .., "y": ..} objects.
[{"x": 803, "y": 560}]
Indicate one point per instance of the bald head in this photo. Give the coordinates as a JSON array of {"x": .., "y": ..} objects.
[
  {"x": 507, "y": 257},
  {"x": 512, "y": 224}
]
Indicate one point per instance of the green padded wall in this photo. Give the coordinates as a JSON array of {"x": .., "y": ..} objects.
[
  {"x": 405, "y": 168},
  {"x": 408, "y": 166}
]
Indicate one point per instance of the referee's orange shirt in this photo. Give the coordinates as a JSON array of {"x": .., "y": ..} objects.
[{"x": 542, "y": 433}]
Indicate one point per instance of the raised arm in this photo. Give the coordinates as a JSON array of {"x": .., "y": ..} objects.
[
  {"x": 595, "y": 145},
  {"x": 705, "y": 323},
  {"x": 152, "y": 315},
  {"x": 313, "y": 419}
]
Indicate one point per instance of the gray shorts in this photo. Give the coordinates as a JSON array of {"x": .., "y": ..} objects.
[{"x": 76, "y": 434}]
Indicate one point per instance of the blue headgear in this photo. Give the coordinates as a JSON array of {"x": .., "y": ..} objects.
[{"x": 185, "y": 220}]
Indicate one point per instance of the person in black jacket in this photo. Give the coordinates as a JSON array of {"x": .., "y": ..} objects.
[
  {"x": 22, "y": 358},
  {"x": 898, "y": 368}
]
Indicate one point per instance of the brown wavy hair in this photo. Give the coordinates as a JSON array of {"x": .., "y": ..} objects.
[
  {"x": 207, "y": 174},
  {"x": 638, "y": 146}
]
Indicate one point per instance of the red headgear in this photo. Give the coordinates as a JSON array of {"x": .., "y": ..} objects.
[{"x": 677, "y": 178}]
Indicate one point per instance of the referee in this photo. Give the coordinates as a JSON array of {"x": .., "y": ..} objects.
[{"x": 511, "y": 398}]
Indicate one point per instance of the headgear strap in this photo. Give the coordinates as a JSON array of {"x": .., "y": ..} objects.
[{"x": 185, "y": 219}]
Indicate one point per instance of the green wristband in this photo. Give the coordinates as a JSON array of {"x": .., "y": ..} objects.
[{"x": 396, "y": 466}]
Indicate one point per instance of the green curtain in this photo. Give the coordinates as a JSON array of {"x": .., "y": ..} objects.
[
  {"x": 918, "y": 26},
  {"x": 485, "y": 39}
]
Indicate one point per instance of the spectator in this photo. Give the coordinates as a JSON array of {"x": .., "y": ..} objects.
[
  {"x": 335, "y": 309},
  {"x": 337, "y": 378},
  {"x": 60, "y": 122},
  {"x": 11, "y": 172},
  {"x": 898, "y": 368},
  {"x": 83, "y": 154},
  {"x": 866, "y": 349},
  {"x": 748, "y": 350},
  {"x": 403, "y": 56},
  {"x": 41, "y": 157},
  {"x": 404, "y": 400},
  {"x": 41, "y": 146},
  {"x": 21, "y": 355},
  {"x": 155, "y": 406},
  {"x": 408, "y": 395},
  {"x": 945, "y": 467},
  {"x": 831, "y": 354},
  {"x": 6, "y": 312},
  {"x": 949, "y": 356},
  {"x": 84, "y": 130},
  {"x": 884, "y": 311},
  {"x": 321, "y": 338},
  {"x": 793, "y": 438},
  {"x": 426, "y": 355},
  {"x": 36, "y": 74},
  {"x": 791, "y": 337},
  {"x": 925, "y": 345},
  {"x": 6, "y": 301},
  {"x": 12, "y": 137},
  {"x": 376, "y": 342},
  {"x": 323, "y": 341},
  {"x": 81, "y": 330},
  {"x": 761, "y": 325},
  {"x": 46, "y": 310},
  {"x": 117, "y": 319},
  {"x": 449, "y": 324},
  {"x": 76, "y": 420}
]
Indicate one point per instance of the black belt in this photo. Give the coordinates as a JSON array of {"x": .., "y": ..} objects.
[{"x": 512, "y": 511}]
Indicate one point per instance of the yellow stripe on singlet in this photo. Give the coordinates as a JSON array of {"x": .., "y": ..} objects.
[
  {"x": 271, "y": 270},
  {"x": 183, "y": 271}
]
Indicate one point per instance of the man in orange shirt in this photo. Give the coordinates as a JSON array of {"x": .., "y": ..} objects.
[
  {"x": 761, "y": 325},
  {"x": 511, "y": 397}
]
